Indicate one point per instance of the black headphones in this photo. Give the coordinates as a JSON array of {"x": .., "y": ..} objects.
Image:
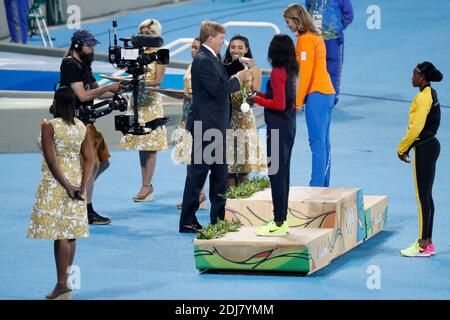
[{"x": 77, "y": 45}]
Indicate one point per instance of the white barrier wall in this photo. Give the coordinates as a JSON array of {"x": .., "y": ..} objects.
[
  {"x": 4, "y": 32},
  {"x": 93, "y": 9}
]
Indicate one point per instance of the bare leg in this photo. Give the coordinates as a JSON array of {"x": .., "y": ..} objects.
[
  {"x": 96, "y": 172},
  {"x": 423, "y": 243},
  {"x": 103, "y": 166},
  {"x": 73, "y": 247},
  {"x": 90, "y": 184},
  {"x": 242, "y": 177},
  {"x": 93, "y": 216},
  {"x": 232, "y": 180},
  {"x": 202, "y": 198},
  {"x": 63, "y": 257},
  {"x": 148, "y": 164}
]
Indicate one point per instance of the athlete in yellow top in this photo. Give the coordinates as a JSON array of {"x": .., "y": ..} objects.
[{"x": 424, "y": 120}]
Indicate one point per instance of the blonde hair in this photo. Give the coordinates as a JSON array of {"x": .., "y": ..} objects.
[
  {"x": 301, "y": 17},
  {"x": 210, "y": 28},
  {"x": 153, "y": 25}
]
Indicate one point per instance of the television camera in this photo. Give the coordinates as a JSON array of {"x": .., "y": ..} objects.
[{"x": 133, "y": 59}]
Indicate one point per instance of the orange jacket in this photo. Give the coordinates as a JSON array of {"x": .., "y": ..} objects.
[{"x": 312, "y": 57}]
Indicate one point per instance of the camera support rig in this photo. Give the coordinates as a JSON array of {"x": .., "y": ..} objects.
[
  {"x": 91, "y": 113},
  {"x": 133, "y": 59}
]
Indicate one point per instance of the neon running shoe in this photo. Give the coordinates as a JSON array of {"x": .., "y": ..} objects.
[
  {"x": 416, "y": 251},
  {"x": 431, "y": 248},
  {"x": 272, "y": 230}
]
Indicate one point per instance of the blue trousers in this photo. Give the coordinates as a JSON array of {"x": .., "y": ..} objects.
[
  {"x": 16, "y": 13},
  {"x": 318, "y": 119},
  {"x": 335, "y": 59}
]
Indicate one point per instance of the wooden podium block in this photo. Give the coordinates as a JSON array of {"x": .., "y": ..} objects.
[
  {"x": 375, "y": 211},
  {"x": 304, "y": 250},
  {"x": 309, "y": 207},
  {"x": 324, "y": 223}
]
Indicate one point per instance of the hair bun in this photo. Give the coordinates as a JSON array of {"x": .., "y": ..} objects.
[
  {"x": 430, "y": 72},
  {"x": 436, "y": 76}
]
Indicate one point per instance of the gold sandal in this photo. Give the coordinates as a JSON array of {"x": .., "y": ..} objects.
[{"x": 146, "y": 197}]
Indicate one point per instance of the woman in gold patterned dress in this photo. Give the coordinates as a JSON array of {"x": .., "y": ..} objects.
[
  {"x": 245, "y": 153},
  {"x": 183, "y": 140},
  {"x": 150, "y": 108},
  {"x": 59, "y": 211},
  {"x": 181, "y": 153}
]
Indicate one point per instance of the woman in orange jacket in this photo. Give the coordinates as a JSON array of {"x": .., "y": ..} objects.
[{"x": 315, "y": 90}]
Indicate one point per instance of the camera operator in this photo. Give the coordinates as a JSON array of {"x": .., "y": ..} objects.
[
  {"x": 76, "y": 72},
  {"x": 150, "y": 108}
]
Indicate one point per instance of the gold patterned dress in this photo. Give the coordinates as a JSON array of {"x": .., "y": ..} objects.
[
  {"x": 245, "y": 152},
  {"x": 56, "y": 216},
  {"x": 150, "y": 108},
  {"x": 181, "y": 153}
]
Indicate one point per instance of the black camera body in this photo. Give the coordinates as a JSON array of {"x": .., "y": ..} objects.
[{"x": 133, "y": 59}]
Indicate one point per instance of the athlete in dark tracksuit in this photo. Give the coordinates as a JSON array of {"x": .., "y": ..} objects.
[
  {"x": 279, "y": 114},
  {"x": 424, "y": 120}
]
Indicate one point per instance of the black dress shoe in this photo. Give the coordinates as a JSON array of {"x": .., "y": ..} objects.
[
  {"x": 190, "y": 228},
  {"x": 197, "y": 225}
]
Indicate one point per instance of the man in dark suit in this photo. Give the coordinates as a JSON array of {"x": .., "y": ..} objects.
[{"x": 210, "y": 114}]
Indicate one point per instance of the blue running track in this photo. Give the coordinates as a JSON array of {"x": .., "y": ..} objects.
[{"x": 142, "y": 256}]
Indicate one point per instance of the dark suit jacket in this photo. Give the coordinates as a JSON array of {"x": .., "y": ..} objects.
[{"x": 211, "y": 88}]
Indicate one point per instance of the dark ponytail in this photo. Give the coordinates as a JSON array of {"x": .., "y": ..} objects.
[
  {"x": 436, "y": 76},
  {"x": 430, "y": 72}
]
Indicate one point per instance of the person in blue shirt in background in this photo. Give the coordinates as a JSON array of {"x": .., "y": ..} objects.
[
  {"x": 17, "y": 13},
  {"x": 331, "y": 17}
]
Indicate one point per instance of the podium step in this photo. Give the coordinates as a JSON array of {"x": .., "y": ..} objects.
[
  {"x": 375, "y": 213},
  {"x": 324, "y": 223},
  {"x": 309, "y": 207},
  {"x": 302, "y": 250}
]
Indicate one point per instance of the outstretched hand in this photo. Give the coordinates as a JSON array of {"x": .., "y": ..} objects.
[
  {"x": 114, "y": 87},
  {"x": 251, "y": 98},
  {"x": 125, "y": 86}
]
